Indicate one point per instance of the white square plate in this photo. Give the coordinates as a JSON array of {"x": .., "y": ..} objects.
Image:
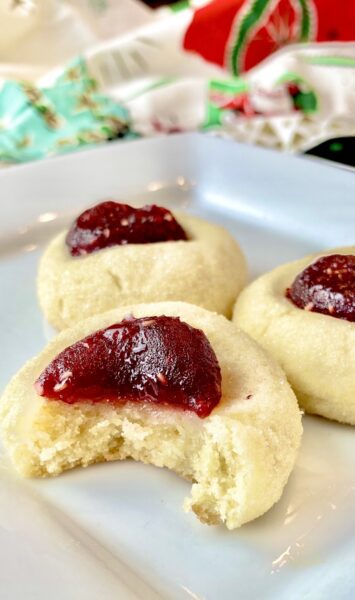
[{"x": 117, "y": 531}]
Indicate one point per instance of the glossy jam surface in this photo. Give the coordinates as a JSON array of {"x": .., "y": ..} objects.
[
  {"x": 327, "y": 286},
  {"x": 111, "y": 223},
  {"x": 160, "y": 360}
]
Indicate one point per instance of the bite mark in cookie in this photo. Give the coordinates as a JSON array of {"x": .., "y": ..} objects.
[{"x": 238, "y": 457}]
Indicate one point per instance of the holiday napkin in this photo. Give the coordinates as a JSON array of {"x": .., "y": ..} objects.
[{"x": 280, "y": 73}]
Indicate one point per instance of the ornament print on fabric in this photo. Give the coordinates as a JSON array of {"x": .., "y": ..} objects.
[
  {"x": 265, "y": 28},
  {"x": 239, "y": 34}
]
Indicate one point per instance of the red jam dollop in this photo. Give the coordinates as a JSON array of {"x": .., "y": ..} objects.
[
  {"x": 161, "y": 360},
  {"x": 112, "y": 223},
  {"x": 327, "y": 286}
]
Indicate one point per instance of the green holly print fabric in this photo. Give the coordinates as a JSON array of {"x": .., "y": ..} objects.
[{"x": 70, "y": 113}]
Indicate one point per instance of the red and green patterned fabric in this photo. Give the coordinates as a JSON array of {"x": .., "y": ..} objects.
[
  {"x": 279, "y": 73},
  {"x": 238, "y": 34}
]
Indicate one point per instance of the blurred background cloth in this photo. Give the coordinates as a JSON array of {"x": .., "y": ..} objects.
[{"x": 278, "y": 73}]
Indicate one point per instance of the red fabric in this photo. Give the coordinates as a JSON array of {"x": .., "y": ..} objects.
[
  {"x": 336, "y": 20},
  {"x": 210, "y": 28},
  {"x": 278, "y": 28},
  {"x": 214, "y": 28}
]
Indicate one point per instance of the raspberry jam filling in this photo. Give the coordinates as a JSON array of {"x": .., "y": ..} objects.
[
  {"x": 327, "y": 286},
  {"x": 111, "y": 224},
  {"x": 160, "y": 360}
]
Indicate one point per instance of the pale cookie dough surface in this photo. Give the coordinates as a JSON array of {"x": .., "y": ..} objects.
[
  {"x": 316, "y": 351},
  {"x": 208, "y": 270},
  {"x": 239, "y": 457}
]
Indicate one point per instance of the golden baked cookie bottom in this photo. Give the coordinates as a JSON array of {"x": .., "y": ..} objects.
[
  {"x": 316, "y": 351},
  {"x": 239, "y": 458}
]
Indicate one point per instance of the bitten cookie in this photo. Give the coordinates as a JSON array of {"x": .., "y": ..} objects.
[
  {"x": 212, "y": 406},
  {"x": 206, "y": 267},
  {"x": 303, "y": 314}
]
